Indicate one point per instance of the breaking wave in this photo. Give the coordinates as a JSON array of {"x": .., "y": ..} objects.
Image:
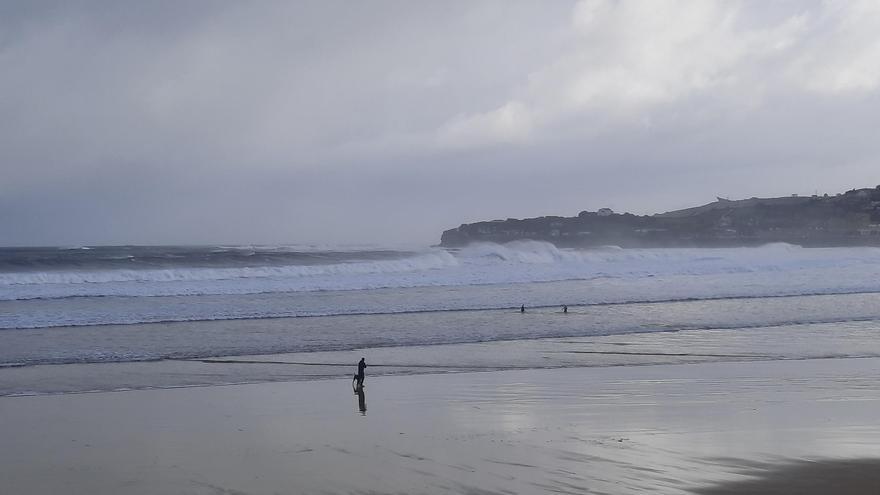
[
  {"x": 430, "y": 261},
  {"x": 477, "y": 264}
]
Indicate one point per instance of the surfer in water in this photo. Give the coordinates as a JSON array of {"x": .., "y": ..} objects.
[{"x": 359, "y": 377}]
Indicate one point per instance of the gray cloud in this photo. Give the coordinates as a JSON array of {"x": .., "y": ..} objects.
[{"x": 267, "y": 122}]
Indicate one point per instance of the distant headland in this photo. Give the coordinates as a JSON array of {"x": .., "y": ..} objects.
[{"x": 845, "y": 219}]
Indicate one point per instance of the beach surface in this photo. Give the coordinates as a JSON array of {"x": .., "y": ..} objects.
[{"x": 780, "y": 426}]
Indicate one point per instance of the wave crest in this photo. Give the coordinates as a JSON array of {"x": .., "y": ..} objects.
[
  {"x": 476, "y": 264},
  {"x": 429, "y": 261}
]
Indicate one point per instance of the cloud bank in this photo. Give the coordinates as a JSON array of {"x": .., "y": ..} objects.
[{"x": 203, "y": 122}]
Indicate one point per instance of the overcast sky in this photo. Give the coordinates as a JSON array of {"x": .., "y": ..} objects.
[{"x": 345, "y": 122}]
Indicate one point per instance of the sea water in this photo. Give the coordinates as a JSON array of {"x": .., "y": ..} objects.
[{"x": 60, "y": 306}]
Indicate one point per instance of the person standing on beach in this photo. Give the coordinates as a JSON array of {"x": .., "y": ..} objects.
[
  {"x": 522, "y": 309},
  {"x": 362, "y": 365},
  {"x": 564, "y": 308}
]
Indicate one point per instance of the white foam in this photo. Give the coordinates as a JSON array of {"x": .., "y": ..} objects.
[
  {"x": 478, "y": 264},
  {"x": 428, "y": 261}
]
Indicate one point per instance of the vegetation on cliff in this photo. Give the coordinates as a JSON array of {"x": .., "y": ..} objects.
[{"x": 847, "y": 219}]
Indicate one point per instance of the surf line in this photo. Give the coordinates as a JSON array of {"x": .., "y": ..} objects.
[
  {"x": 299, "y": 363},
  {"x": 685, "y": 354}
]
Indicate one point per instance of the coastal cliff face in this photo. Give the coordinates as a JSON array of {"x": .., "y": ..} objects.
[{"x": 848, "y": 219}]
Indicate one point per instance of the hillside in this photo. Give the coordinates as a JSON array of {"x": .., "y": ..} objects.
[{"x": 847, "y": 219}]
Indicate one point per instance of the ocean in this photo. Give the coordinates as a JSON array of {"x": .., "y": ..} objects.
[{"x": 89, "y": 305}]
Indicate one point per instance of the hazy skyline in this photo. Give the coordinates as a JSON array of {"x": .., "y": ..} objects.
[{"x": 365, "y": 122}]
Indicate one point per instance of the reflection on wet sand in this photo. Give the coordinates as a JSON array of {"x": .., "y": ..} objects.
[
  {"x": 850, "y": 476},
  {"x": 362, "y": 400},
  {"x": 710, "y": 428}
]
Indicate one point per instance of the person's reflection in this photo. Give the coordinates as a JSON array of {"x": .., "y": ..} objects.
[{"x": 362, "y": 401}]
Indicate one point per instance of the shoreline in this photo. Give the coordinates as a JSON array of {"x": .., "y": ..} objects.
[{"x": 855, "y": 339}]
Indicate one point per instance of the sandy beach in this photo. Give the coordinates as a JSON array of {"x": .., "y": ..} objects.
[{"x": 720, "y": 427}]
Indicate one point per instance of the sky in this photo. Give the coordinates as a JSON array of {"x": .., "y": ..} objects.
[{"x": 387, "y": 122}]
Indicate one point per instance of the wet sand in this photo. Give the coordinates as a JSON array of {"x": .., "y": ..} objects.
[
  {"x": 722, "y": 427},
  {"x": 807, "y": 478}
]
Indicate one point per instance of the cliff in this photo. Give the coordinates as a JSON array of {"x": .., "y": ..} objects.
[{"x": 847, "y": 219}]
